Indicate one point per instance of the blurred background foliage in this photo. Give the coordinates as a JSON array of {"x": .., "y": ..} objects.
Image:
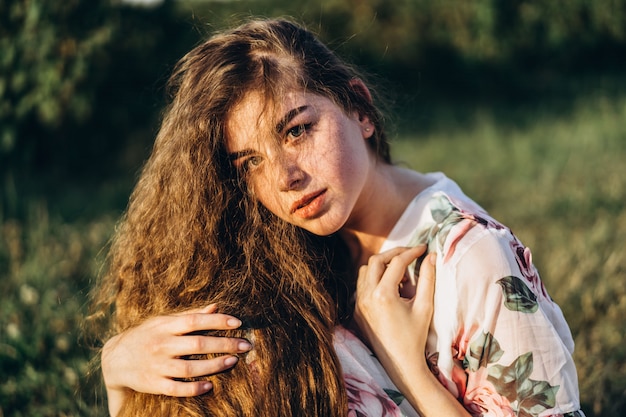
[{"x": 523, "y": 102}]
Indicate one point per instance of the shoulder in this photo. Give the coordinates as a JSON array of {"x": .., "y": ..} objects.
[{"x": 456, "y": 223}]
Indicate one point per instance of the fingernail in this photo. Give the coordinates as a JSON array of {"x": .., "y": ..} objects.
[
  {"x": 433, "y": 258},
  {"x": 244, "y": 346},
  {"x": 233, "y": 322},
  {"x": 207, "y": 386},
  {"x": 231, "y": 360}
]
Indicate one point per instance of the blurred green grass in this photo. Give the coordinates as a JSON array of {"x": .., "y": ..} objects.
[{"x": 557, "y": 178}]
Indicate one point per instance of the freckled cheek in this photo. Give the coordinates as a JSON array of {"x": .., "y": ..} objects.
[
  {"x": 265, "y": 192},
  {"x": 320, "y": 157},
  {"x": 339, "y": 165}
]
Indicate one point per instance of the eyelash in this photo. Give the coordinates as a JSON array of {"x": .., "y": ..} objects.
[
  {"x": 249, "y": 163},
  {"x": 300, "y": 129},
  {"x": 295, "y": 132}
]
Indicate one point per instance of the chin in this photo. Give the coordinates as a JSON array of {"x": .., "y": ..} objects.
[{"x": 323, "y": 230}]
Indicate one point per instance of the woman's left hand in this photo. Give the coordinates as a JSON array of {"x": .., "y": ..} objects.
[{"x": 396, "y": 327}]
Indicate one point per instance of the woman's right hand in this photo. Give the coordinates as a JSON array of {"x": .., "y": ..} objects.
[
  {"x": 394, "y": 318},
  {"x": 147, "y": 358}
]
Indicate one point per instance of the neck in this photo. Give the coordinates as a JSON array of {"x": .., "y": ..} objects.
[{"x": 379, "y": 207}]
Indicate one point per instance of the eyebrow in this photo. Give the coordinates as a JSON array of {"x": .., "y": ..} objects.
[
  {"x": 279, "y": 127},
  {"x": 236, "y": 155},
  {"x": 287, "y": 118}
]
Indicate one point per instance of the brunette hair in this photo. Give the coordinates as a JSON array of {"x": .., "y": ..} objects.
[{"x": 192, "y": 235}]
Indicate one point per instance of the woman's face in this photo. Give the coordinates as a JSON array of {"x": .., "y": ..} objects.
[{"x": 307, "y": 162}]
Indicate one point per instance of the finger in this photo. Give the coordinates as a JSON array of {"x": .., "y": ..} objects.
[
  {"x": 370, "y": 275},
  {"x": 387, "y": 256},
  {"x": 204, "y": 345},
  {"x": 173, "y": 388},
  {"x": 183, "y": 368},
  {"x": 211, "y": 308},
  {"x": 379, "y": 264},
  {"x": 397, "y": 268},
  {"x": 193, "y": 322}
]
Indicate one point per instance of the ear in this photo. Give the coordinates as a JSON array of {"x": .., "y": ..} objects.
[
  {"x": 367, "y": 127},
  {"x": 361, "y": 89}
]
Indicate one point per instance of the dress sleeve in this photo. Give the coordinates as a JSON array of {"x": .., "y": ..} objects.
[{"x": 512, "y": 346}]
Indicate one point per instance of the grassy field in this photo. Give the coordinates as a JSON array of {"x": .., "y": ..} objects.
[{"x": 558, "y": 178}]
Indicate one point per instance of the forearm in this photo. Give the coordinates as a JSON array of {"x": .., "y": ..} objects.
[{"x": 425, "y": 393}]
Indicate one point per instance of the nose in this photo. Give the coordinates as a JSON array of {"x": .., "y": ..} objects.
[{"x": 289, "y": 173}]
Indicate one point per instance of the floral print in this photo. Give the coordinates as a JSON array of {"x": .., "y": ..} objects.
[
  {"x": 496, "y": 387},
  {"x": 483, "y": 397},
  {"x": 525, "y": 263},
  {"x": 505, "y": 385},
  {"x": 370, "y": 391},
  {"x": 364, "y": 400},
  {"x": 498, "y": 342}
]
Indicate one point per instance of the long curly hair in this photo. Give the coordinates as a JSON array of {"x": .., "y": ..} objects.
[{"x": 192, "y": 234}]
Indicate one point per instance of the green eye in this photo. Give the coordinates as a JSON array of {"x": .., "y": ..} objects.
[
  {"x": 298, "y": 130},
  {"x": 250, "y": 163},
  {"x": 253, "y": 161}
]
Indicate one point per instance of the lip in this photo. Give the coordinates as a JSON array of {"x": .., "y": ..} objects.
[{"x": 308, "y": 205}]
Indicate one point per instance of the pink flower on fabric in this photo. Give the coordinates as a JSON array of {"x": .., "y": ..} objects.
[
  {"x": 365, "y": 400},
  {"x": 482, "y": 399},
  {"x": 458, "y": 383},
  {"x": 457, "y": 232},
  {"x": 524, "y": 259},
  {"x": 462, "y": 340}
]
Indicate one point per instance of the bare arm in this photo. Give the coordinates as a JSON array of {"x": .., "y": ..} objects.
[
  {"x": 396, "y": 327},
  {"x": 147, "y": 358}
]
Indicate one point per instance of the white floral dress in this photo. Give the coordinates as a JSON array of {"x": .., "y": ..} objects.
[{"x": 497, "y": 341}]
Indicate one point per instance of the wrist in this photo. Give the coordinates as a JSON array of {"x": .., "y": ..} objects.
[{"x": 106, "y": 366}]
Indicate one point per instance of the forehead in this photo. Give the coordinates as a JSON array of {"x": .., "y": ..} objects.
[
  {"x": 256, "y": 116},
  {"x": 254, "y": 110}
]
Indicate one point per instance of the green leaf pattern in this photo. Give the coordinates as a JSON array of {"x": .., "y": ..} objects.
[
  {"x": 445, "y": 216},
  {"x": 526, "y": 396},
  {"x": 517, "y": 295},
  {"x": 395, "y": 396},
  {"x": 484, "y": 350}
]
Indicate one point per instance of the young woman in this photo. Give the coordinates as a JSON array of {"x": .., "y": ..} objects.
[{"x": 270, "y": 135}]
